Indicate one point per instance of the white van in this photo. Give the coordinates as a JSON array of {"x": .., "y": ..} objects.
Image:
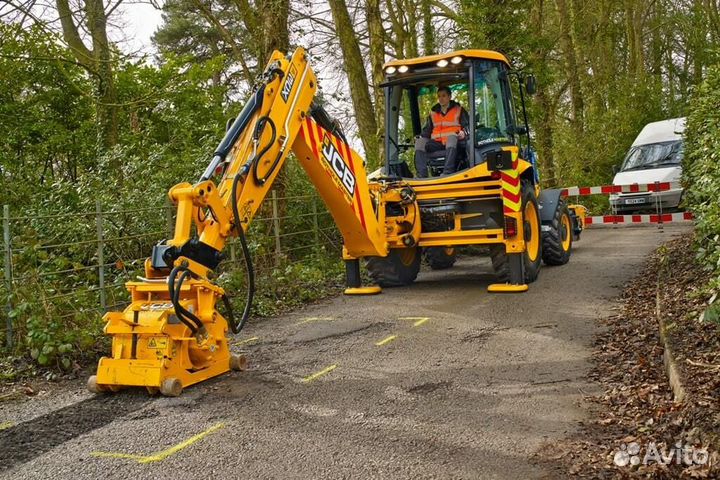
[{"x": 655, "y": 156}]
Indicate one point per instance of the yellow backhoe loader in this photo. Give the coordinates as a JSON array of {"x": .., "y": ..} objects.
[{"x": 173, "y": 333}]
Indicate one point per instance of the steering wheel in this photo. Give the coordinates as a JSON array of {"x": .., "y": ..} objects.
[{"x": 485, "y": 133}]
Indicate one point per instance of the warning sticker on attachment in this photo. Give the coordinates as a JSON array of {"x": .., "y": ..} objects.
[{"x": 157, "y": 342}]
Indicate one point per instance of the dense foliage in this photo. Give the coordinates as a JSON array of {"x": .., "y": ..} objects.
[
  {"x": 89, "y": 128},
  {"x": 54, "y": 175},
  {"x": 701, "y": 170}
]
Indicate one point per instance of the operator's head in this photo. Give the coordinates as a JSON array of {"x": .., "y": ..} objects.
[{"x": 444, "y": 96}]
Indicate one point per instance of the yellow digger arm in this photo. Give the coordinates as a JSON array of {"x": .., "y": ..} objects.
[{"x": 279, "y": 118}]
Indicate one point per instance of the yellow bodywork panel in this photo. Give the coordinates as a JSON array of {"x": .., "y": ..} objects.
[
  {"x": 154, "y": 343},
  {"x": 481, "y": 54}
]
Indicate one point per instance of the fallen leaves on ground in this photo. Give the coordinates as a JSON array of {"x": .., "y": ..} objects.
[{"x": 637, "y": 402}]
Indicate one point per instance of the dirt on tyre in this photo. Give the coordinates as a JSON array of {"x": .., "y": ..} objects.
[
  {"x": 440, "y": 258},
  {"x": 399, "y": 268},
  {"x": 532, "y": 257},
  {"x": 557, "y": 239}
]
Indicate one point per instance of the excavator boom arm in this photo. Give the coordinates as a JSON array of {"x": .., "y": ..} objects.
[{"x": 280, "y": 118}]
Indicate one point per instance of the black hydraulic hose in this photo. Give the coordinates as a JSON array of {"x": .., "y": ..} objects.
[
  {"x": 237, "y": 327},
  {"x": 186, "y": 313},
  {"x": 186, "y": 317},
  {"x": 256, "y": 161},
  {"x": 234, "y": 132},
  {"x": 193, "y": 328}
]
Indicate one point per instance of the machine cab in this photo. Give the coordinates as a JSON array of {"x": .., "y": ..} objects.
[{"x": 479, "y": 81}]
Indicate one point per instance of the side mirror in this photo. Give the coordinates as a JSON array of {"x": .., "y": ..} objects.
[
  {"x": 530, "y": 84},
  {"x": 615, "y": 170}
]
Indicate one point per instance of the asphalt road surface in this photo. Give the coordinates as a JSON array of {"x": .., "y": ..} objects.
[{"x": 437, "y": 380}]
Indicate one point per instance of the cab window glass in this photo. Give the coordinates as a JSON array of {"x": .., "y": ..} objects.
[{"x": 493, "y": 112}]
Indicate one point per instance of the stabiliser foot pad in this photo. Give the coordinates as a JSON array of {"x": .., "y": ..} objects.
[
  {"x": 506, "y": 288},
  {"x": 373, "y": 290}
]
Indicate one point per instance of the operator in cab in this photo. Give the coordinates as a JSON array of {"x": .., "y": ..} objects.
[{"x": 446, "y": 129}]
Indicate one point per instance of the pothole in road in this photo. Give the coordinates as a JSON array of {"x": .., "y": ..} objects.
[
  {"x": 425, "y": 388},
  {"x": 477, "y": 336}
]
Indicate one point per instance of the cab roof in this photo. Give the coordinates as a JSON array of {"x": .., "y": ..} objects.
[
  {"x": 662, "y": 131},
  {"x": 482, "y": 54}
]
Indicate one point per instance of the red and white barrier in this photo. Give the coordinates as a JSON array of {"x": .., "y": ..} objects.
[
  {"x": 628, "y": 219},
  {"x": 610, "y": 189}
]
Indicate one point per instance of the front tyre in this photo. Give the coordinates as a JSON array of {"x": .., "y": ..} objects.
[
  {"x": 399, "y": 268},
  {"x": 440, "y": 258},
  {"x": 557, "y": 239}
]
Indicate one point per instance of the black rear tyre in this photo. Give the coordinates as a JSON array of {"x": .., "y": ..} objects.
[
  {"x": 399, "y": 268},
  {"x": 557, "y": 240},
  {"x": 531, "y": 260},
  {"x": 440, "y": 258},
  {"x": 500, "y": 263}
]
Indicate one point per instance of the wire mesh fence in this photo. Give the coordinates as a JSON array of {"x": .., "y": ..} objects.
[{"x": 72, "y": 266}]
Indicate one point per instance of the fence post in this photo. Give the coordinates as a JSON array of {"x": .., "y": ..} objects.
[
  {"x": 658, "y": 206},
  {"x": 316, "y": 228},
  {"x": 276, "y": 226},
  {"x": 8, "y": 276},
  {"x": 100, "y": 253}
]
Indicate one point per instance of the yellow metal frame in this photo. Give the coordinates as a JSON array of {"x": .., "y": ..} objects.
[
  {"x": 475, "y": 53},
  {"x": 151, "y": 348},
  {"x": 507, "y": 288}
]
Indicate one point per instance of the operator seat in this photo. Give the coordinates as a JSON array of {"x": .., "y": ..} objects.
[{"x": 436, "y": 161}]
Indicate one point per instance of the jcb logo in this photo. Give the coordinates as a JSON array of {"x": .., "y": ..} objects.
[
  {"x": 338, "y": 165},
  {"x": 289, "y": 82}
]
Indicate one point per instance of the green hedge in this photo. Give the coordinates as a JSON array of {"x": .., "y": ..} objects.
[{"x": 701, "y": 170}]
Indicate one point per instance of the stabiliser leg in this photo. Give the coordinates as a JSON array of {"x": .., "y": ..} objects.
[
  {"x": 517, "y": 276},
  {"x": 353, "y": 281}
]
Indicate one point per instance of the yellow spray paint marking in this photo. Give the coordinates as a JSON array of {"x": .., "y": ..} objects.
[
  {"x": 160, "y": 456},
  {"x": 247, "y": 340},
  {"x": 420, "y": 322},
  {"x": 385, "y": 340},
  {"x": 6, "y": 425},
  {"x": 322, "y": 372},
  {"x": 315, "y": 319}
]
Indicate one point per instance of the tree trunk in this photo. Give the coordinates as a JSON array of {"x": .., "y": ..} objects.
[
  {"x": 274, "y": 14},
  {"x": 377, "y": 59},
  {"x": 573, "y": 74},
  {"x": 429, "y": 47},
  {"x": 357, "y": 78},
  {"x": 99, "y": 61},
  {"x": 107, "y": 108},
  {"x": 544, "y": 125},
  {"x": 412, "y": 20}
]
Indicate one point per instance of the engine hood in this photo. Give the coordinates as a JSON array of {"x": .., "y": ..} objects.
[{"x": 651, "y": 175}]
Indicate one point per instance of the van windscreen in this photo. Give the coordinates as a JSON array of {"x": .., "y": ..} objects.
[{"x": 654, "y": 155}]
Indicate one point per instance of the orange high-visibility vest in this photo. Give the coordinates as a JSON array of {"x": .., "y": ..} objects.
[{"x": 446, "y": 125}]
